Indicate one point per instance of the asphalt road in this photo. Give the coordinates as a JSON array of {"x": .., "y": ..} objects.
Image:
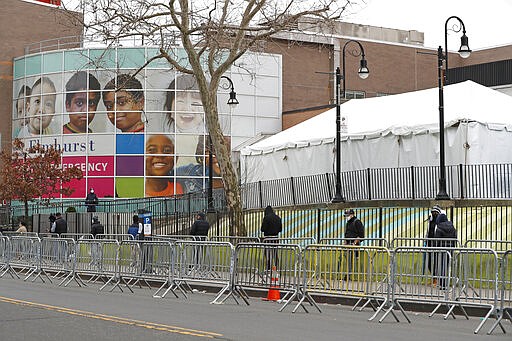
[{"x": 45, "y": 312}]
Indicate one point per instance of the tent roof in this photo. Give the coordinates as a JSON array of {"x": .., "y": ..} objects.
[{"x": 401, "y": 114}]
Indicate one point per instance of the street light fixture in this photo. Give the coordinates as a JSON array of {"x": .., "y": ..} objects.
[
  {"x": 232, "y": 102},
  {"x": 464, "y": 52},
  {"x": 363, "y": 73}
]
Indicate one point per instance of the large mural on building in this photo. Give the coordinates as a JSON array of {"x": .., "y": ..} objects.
[{"x": 131, "y": 136}]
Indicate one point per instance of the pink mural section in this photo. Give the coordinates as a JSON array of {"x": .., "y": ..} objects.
[{"x": 98, "y": 173}]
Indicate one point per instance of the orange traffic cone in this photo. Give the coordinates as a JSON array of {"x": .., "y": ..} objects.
[{"x": 273, "y": 292}]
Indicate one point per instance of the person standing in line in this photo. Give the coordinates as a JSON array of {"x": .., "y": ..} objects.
[
  {"x": 271, "y": 226},
  {"x": 444, "y": 230},
  {"x": 430, "y": 259},
  {"x": 354, "y": 232},
  {"x": 61, "y": 225},
  {"x": 22, "y": 227},
  {"x": 52, "y": 219},
  {"x": 200, "y": 226},
  {"x": 199, "y": 229},
  {"x": 91, "y": 200},
  {"x": 136, "y": 231},
  {"x": 97, "y": 227}
]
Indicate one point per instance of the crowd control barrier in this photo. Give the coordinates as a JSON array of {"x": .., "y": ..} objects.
[
  {"x": 361, "y": 272},
  {"x": 380, "y": 242},
  {"x": 25, "y": 255},
  {"x": 5, "y": 255},
  {"x": 254, "y": 263},
  {"x": 505, "y": 299},
  {"x": 206, "y": 262}
]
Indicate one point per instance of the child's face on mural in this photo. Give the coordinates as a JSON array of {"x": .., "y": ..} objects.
[
  {"x": 85, "y": 105},
  {"x": 188, "y": 115},
  {"x": 159, "y": 158},
  {"x": 123, "y": 110},
  {"x": 41, "y": 107}
]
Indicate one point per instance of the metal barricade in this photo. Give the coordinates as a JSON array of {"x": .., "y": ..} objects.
[
  {"x": 475, "y": 276},
  {"x": 361, "y": 272},
  {"x": 97, "y": 258},
  {"x": 505, "y": 292},
  {"x": 234, "y": 240},
  {"x": 380, "y": 242},
  {"x": 424, "y": 242},
  {"x": 178, "y": 237},
  {"x": 254, "y": 266},
  {"x": 58, "y": 257},
  {"x": 140, "y": 261},
  {"x": 206, "y": 262},
  {"x": 120, "y": 237},
  {"x": 20, "y": 234},
  {"x": 5, "y": 255},
  {"x": 77, "y": 236},
  {"x": 25, "y": 255},
  {"x": 301, "y": 241},
  {"x": 48, "y": 235},
  {"x": 444, "y": 276}
]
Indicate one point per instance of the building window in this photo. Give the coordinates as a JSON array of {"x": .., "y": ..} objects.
[{"x": 350, "y": 94}]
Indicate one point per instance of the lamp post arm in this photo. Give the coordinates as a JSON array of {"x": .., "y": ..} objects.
[
  {"x": 230, "y": 82},
  {"x": 361, "y": 50},
  {"x": 455, "y": 29}
]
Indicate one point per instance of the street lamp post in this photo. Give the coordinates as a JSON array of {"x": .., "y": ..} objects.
[
  {"x": 232, "y": 102},
  {"x": 363, "y": 73},
  {"x": 464, "y": 52}
]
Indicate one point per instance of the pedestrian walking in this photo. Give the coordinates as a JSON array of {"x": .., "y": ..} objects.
[
  {"x": 200, "y": 226},
  {"x": 61, "y": 225}
]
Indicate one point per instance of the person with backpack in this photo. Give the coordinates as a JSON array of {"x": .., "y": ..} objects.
[
  {"x": 97, "y": 227},
  {"x": 444, "y": 230}
]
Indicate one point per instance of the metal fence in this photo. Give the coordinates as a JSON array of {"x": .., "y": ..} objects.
[
  {"x": 485, "y": 181},
  {"x": 384, "y": 278}
]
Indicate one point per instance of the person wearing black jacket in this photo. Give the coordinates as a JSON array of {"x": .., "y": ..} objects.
[
  {"x": 354, "y": 232},
  {"x": 430, "y": 242},
  {"x": 91, "y": 200},
  {"x": 200, "y": 227},
  {"x": 61, "y": 226},
  {"x": 271, "y": 226},
  {"x": 444, "y": 230},
  {"x": 96, "y": 227}
]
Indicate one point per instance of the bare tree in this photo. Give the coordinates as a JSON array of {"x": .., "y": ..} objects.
[{"x": 214, "y": 34}]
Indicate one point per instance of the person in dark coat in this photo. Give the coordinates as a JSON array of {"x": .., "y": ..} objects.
[
  {"x": 271, "y": 226},
  {"x": 354, "y": 232},
  {"x": 354, "y": 229},
  {"x": 91, "y": 200},
  {"x": 61, "y": 225},
  {"x": 430, "y": 259},
  {"x": 200, "y": 227},
  {"x": 444, "y": 230},
  {"x": 97, "y": 227}
]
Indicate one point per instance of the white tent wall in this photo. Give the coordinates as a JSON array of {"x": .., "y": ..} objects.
[
  {"x": 417, "y": 147},
  {"x": 390, "y": 132}
]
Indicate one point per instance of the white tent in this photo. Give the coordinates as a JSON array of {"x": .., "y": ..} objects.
[{"x": 393, "y": 131}]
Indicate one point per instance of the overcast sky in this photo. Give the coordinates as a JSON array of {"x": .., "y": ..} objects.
[{"x": 488, "y": 23}]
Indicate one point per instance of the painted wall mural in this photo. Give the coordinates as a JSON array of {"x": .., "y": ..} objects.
[{"x": 147, "y": 139}]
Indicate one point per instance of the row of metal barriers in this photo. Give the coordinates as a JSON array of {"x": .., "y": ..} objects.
[{"x": 448, "y": 276}]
